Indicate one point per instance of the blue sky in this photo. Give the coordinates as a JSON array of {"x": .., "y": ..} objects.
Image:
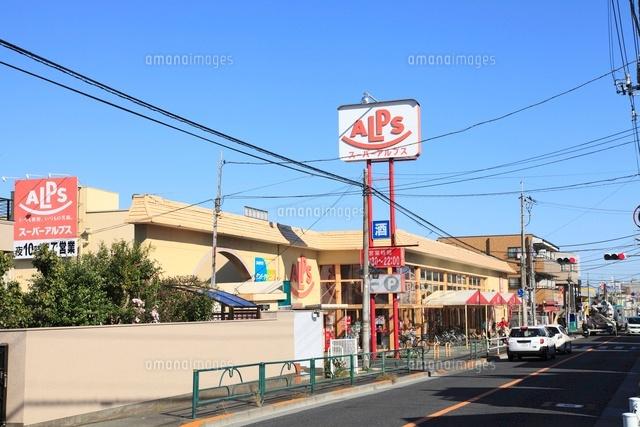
[{"x": 289, "y": 66}]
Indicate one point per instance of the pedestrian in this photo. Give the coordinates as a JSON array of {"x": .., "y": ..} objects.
[{"x": 379, "y": 332}]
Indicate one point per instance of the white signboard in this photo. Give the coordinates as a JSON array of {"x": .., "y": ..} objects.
[
  {"x": 379, "y": 131},
  {"x": 387, "y": 284}
]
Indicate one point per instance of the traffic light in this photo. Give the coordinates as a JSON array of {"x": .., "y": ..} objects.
[
  {"x": 570, "y": 260},
  {"x": 614, "y": 257}
]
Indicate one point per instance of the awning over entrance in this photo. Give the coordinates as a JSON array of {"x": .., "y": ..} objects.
[
  {"x": 511, "y": 298},
  {"x": 259, "y": 292},
  {"x": 232, "y": 306},
  {"x": 449, "y": 298},
  {"x": 230, "y": 300},
  {"x": 494, "y": 298}
]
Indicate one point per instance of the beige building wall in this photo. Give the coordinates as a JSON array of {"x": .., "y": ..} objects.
[
  {"x": 61, "y": 372},
  {"x": 6, "y": 236},
  {"x": 105, "y": 227}
]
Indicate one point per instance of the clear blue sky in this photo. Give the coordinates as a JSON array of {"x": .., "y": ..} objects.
[{"x": 292, "y": 64}]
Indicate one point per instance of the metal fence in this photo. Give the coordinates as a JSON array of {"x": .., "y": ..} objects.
[
  {"x": 251, "y": 383},
  {"x": 496, "y": 346}
]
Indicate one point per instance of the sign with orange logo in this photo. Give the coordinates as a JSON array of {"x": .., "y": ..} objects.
[
  {"x": 379, "y": 131},
  {"x": 45, "y": 212},
  {"x": 301, "y": 278}
]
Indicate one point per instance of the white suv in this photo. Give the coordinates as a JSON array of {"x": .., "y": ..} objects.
[
  {"x": 531, "y": 341},
  {"x": 633, "y": 325},
  {"x": 562, "y": 338}
]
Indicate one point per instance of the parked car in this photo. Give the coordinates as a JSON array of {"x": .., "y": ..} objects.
[
  {"x": 633, "y": 325},
  {"x": 531, "y": 341},
  {"x": 562, "y": 338}
]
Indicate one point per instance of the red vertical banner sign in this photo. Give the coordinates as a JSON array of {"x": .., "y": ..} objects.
[
  {"x": 392, "y": 225},
  {"x": 45, "y": 213},
  {"x": 372, "y": 303}
]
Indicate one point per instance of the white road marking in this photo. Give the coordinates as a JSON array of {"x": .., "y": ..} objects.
[{"x": 569, "y": 405}]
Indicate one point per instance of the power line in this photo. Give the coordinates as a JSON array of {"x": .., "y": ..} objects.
[
  {"x": 307, "y": 168},
  {"x": 168, "y": 125},
  {"x": 575, "y": 186},
  {"x": 411, "y": 186},
  {"x": 159, "y": 110},
  {"x": 284, "y": 159},
  {"x": 599, "y": 241},
  {"x": 598, "y": 210},
  {"x": 580, "y": 185}
]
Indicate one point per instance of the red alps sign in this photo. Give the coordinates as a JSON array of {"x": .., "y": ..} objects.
[
  {"x": 45, "y": 212},
  {"x": 379, "y": 131}
]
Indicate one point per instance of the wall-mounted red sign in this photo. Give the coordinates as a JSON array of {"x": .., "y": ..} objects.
[
  {"x": 45, "y": 212},
  {"x": 301, "y": 278}
]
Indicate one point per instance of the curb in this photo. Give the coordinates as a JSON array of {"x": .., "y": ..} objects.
[{"x": 302, "y": 403}]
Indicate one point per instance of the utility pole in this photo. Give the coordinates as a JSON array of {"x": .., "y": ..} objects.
[
  {"x": 366, "y": 312},
  {"x": 523, "y": 272},
  {"x": 216, "y": 213},
  {"x": 532, "y": 281}
]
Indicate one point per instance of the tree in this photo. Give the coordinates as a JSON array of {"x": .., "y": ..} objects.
[
  {"x": 67, "y": 292},
  {"x": 127, "y": 271},
  {"x": 179, "y": 299},
  {"x": 119, "y": 284},
  {"x": 14, "y": 312}
]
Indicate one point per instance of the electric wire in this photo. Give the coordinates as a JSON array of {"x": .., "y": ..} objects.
[{"x": 102, "y": 86}]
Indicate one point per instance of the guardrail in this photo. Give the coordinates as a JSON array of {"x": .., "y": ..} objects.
[
  {"x": 251, "y": 383},
  {"x": 496, "y": 345}
]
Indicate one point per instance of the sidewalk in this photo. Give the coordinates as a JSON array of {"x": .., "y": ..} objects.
[{"x": 243, "y": 412}]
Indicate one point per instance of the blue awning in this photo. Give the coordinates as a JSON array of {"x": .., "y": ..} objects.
[{"x": 230, "y": 300}]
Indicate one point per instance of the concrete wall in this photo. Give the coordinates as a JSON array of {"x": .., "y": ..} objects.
[{"x": 61, "y": 372}]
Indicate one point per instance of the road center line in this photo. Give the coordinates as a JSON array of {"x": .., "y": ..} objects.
[{"x": 507, "y": 385}]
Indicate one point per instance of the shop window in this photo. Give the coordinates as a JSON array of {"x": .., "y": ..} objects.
[
  {"x": 327, "y": 272},
  {"x": 411, "y": 274},
  {"x": 350, "y": 271},
  {"x": 328, "y": 293},
  {"x": 381, "y": 298},
  {"x": 351, "y": 293},
  {"x": 514, "y": 282}
]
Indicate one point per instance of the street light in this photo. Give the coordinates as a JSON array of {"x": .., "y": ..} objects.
[{"x": 367, "y": 98}]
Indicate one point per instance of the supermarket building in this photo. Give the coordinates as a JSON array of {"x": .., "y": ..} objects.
[{"x": 276, "y": 265}]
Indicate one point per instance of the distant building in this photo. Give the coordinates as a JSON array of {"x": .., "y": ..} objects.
[{"x": 556, "y": 284}]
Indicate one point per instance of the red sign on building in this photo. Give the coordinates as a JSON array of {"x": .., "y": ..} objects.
[
  {"x": 386, "y": 256},
  {"x": 45, "y": 212}
]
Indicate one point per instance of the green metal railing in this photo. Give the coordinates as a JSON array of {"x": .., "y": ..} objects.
[{"x": 252, "y": 382}]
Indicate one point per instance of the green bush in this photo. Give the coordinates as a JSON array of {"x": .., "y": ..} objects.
[{"x": 119, "y": 284}]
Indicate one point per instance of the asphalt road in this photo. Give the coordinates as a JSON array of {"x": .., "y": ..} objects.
[{"x": 587, "y": 388}]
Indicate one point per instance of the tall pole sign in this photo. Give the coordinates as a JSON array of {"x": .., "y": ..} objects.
[{"x": 380, "y": 132}]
